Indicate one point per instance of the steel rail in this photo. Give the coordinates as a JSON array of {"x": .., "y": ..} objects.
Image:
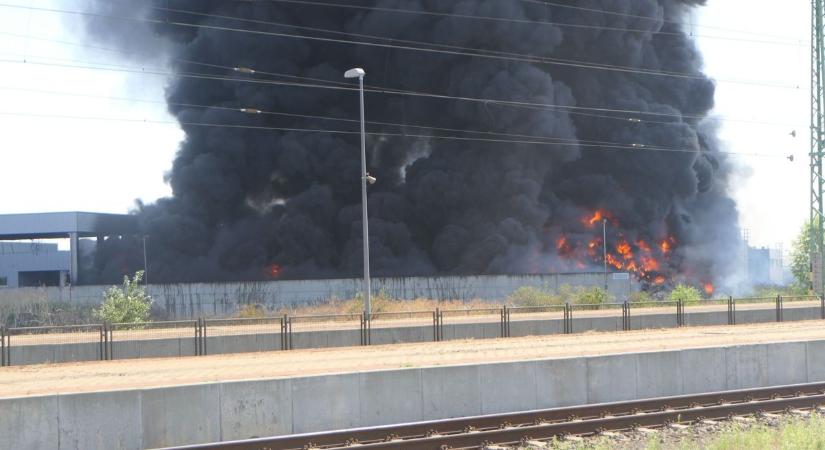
[{"x": 472, "y": 432}]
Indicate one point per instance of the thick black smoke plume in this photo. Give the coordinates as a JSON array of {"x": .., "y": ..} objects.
[{"x": 245, "y": 199}]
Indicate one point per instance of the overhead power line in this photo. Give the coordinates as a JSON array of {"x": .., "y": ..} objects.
[
  {"x": 250, "y": 109},
  {"x": 625, "y": 115},
  {"x": 371, "y": 87},
  {"x": 520, "y": 21},
  {"x": 465, "y": 52},
  {"x": 638, "y": 148},
  {"x": 664, "y": 20}
]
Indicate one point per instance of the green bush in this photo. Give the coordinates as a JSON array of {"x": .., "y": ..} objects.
[
  {"x": 126, "y": 304},
  {"x": 379, "y": 302},
  {"x": 533, "y": 296},
  {"x": 592, "y": 296},
  {"x": 641, "y": 297},
  {"x": 687, "y": 294}
]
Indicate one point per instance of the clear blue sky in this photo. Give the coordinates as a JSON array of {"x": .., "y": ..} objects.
[{"x": 98, "y": 165}]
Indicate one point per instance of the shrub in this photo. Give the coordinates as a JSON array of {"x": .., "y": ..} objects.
[
  {"x": 687, "y": 294},
  {"x": 592, "y": 296},
  {"x": 251, "y": 311},
  {"x": 379, "y": 302},
  {"x": 126, "y": 304},
  {"x": 641, "y": 297},
  {"x": 533, "y": 296}
]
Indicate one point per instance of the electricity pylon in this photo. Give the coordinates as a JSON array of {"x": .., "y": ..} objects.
[{"x": 817, "y": 142}]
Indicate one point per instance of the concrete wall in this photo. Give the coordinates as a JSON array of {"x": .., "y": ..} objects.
[
  {"x": 185, "y": 346},
  {"x": 237, "y": 410},
  {"x": 187, "y": 301}
]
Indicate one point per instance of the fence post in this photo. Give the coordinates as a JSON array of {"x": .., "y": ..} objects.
[
  {"x": 286, "y": 332},
  {"x": 5, "y": 344},
  {"x": 680, "y": 320},
  {"x": 568, "y": 318},
  {"x": 204, "y": 350},
  {"x": 625, "y": 316},
  {"x": 107, "y": 330},
  {"x": 779, "y": 308},
  {"x": 366, "y": 329},
  {"x": 102, "y": 344},
  {"x": 731, "y": 310},
  {"x": 505, "y": 321},
  {"x": 198, "y": 337},
  {"x": 438, "y": 325}
]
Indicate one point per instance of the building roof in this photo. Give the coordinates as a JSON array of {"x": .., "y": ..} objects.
[{"x": 61, "y": 224}]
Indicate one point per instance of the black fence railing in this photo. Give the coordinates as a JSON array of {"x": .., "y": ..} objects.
[{"x": 203, "y": 336}]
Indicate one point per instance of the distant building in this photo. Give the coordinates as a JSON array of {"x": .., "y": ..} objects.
[
  {"x": 24, "y": 264},
  {"x": 759, "y": 265},
  {"x": 36, "y": 264},
  {"x": 762, "y": 265}
]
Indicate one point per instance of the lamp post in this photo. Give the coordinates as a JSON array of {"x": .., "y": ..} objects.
[
  {"x": 359, "y": 73},
  {"x": 145, "y": 262},
  {"x": 604, "y": 247}
]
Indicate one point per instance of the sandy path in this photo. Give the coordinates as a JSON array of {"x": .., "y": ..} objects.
[{"x": 128, "y": 374}]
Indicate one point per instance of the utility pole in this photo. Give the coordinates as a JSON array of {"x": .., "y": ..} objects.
[
  {"x": 145, "y": 263},
  {"x": 604, "y": 248},
  {"x": 365, "y": 178},
  {"x": 817, "y": 213}
]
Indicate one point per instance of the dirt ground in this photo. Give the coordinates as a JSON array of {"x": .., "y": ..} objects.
[{"x": 143, "y": 373}]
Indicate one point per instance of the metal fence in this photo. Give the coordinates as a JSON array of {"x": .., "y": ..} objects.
[{"x": 108, "y": 341}]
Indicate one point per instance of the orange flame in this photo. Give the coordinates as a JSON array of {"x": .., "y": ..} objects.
[
  {"x": 273, "y": 271},
  {"x": 613, "y": 261},
  {"x": 659, "y": 280},
  {"x": 650, "y": 264},
  {"x": 597, "y": 217},
  {"x": 708, "y": 287},
  {"x": 643, "y": 246},
  {"x": 624, "y": 249}
]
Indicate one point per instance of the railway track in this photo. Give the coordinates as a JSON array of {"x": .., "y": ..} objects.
[{"x": 515, "y": 428}]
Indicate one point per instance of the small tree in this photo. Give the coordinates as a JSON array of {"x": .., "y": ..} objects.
[
  {"x": 592, "y": 296},
  {"x": 126, "y": 304},
  {"x": 687, "y": 294},
  {"x": 533, "y": 297},
  {"x": 801, "y": 259}
]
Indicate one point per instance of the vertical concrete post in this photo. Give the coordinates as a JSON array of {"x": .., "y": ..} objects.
[{"x": 73, "y": 250}]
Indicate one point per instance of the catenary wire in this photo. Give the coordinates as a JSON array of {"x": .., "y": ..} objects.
[
  {"x": 636, "y": 16},
  {"x": 250, "y": 110},
  {"x": 468, "y": 52},
  {"x": 521, "y": 21},
  {"x": 378, "y": 134},
  {"x": 628, "y": 115}
]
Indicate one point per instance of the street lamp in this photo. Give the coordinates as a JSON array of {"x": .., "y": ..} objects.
[
  {"x": 359, "y": 73},
  {"x": 145, "y": 262},
  {"x": 604, "y": 247}
]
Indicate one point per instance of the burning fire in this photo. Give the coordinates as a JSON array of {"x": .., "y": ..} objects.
[
  {"x": 273, "y": 271},
  {"x": 708, "y": 287},
  {"x": 644, "y": 258},
  {"x": 597, "y": 217},
  {"x": 667, "y": 244}
]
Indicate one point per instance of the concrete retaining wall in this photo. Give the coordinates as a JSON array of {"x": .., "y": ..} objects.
[
  {"x": 236, "y": 410},
  {"x": 185, "y": 346},
  {"x": 189, "y": 301}
]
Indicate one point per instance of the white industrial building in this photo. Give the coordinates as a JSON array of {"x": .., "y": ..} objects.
[{"x": 24, "y": 262}]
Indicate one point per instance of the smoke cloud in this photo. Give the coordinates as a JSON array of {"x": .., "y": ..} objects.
[{"x": 252, "y": 203}]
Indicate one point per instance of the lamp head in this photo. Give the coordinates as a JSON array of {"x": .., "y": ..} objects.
[{"x": 355, "y": 73}]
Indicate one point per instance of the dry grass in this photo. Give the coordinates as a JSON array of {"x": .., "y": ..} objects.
[{"x": 383, "y": 304}]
